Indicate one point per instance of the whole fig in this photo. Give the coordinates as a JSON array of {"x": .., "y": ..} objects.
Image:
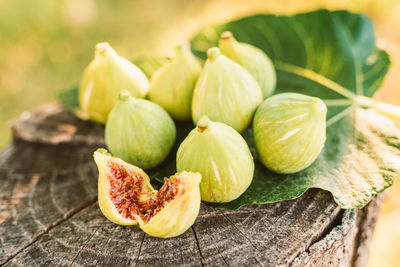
[
  {"x": 104, "y": 78},
  {"x": 221, "y": 156},
  {"x": 225, "y": 92},
  {"x": 252, "y": 59},
  {"x": 172, "y": 85},
  {"x": 289, "y": 131},
  {"x": 126, "y": 197},
  {"x": 139, "y": 131}
]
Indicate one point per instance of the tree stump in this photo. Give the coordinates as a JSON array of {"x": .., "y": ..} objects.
[{"x": 49, "y": 214}]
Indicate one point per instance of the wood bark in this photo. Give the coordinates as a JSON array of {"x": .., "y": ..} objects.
[{"x": 49, "y": 214}]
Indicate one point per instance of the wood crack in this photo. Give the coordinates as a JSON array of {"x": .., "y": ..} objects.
[
  {"x": 244, "y": 235},
  {"x": 108, "y": 240},
  {"x": 240, "y": 231},
  {"x": 335, "y": 221},
  {"x": 198, "y": 246},
  {"x": 219, "y": 253},
  {"x": 41, "y": 233},
  {"x": 83, "y": 246},
  {"x": 361, "y": 220},
  {"x": 140, "y": 249},
  {"x": 261, "y": 264},
  {"x": 366, "y": 221},
  {"x": 298, "y": 232}
]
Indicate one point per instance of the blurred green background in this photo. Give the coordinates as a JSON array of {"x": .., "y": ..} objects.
[{"x": 46, "y": 44}]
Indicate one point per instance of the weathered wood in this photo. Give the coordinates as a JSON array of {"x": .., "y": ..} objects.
[{"x": 49, "y": 214}]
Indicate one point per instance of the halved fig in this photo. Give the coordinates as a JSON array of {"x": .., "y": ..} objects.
[{"x": 126, "y": 197}]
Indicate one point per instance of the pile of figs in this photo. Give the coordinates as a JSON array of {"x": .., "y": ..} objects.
[{"x": 223, "y": 96}]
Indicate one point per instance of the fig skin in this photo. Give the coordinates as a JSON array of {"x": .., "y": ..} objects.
[
  {"x": 289, "y": 131},
  {"x": 102, "y": 158},
  {"x": 139, "y": 131},
  {"x": 180, "y": 213},
  {"x": 222, "y": 157},
  {"x": 172, "y": 85},
  {"x": 225, "y": 92},
  {"x": 252, "y": 59},
  {"x": 104, "y": 78},
  {"x": 172, "y": 220}
]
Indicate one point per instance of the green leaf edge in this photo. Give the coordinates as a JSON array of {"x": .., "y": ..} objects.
[{"x": 69, "y": 100}]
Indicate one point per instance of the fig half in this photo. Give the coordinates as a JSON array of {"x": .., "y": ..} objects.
[{"x": 126, "y": 197}]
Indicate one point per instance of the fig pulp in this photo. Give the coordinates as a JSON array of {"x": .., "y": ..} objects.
[
  {"x": 104, "y": 78},
  {"x": 172, "y": 85},
  {"x": 221, "y": 156},
  {"x": 126, "y": 197},
  {"x": 289, "y": 131}
]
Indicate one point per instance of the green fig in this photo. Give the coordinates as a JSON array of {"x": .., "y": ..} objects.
[
  {"x": 225, "y": 92},
  {"x": 221, "y": 155},
  {"x": 172, "y": 85},
  {"x": 289, "y": 131},
  {"x": 104, "y": 78},
  {"x": 126, "y": 197},
  {"x": 252, "y": 59},
  {"x": 139, "y": 131}
]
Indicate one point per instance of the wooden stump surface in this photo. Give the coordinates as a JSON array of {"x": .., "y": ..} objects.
[{"x": 49, "y": 214}]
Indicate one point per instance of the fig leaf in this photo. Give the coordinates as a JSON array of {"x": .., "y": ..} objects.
[{"x": 333, "y": 56}]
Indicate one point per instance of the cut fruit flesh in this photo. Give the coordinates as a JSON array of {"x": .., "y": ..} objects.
[
  {"x": 126, "y": 197},
  {"x": 126, "y": 179}
]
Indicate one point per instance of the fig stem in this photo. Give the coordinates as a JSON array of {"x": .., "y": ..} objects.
[
  {"x": 227, "y": 35},
  {"x": 203, "y": 123},
  {"x": 124, "y": 95},
  {"x": 213, "y": 53},
  {"x": 101, "y": 48}
]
